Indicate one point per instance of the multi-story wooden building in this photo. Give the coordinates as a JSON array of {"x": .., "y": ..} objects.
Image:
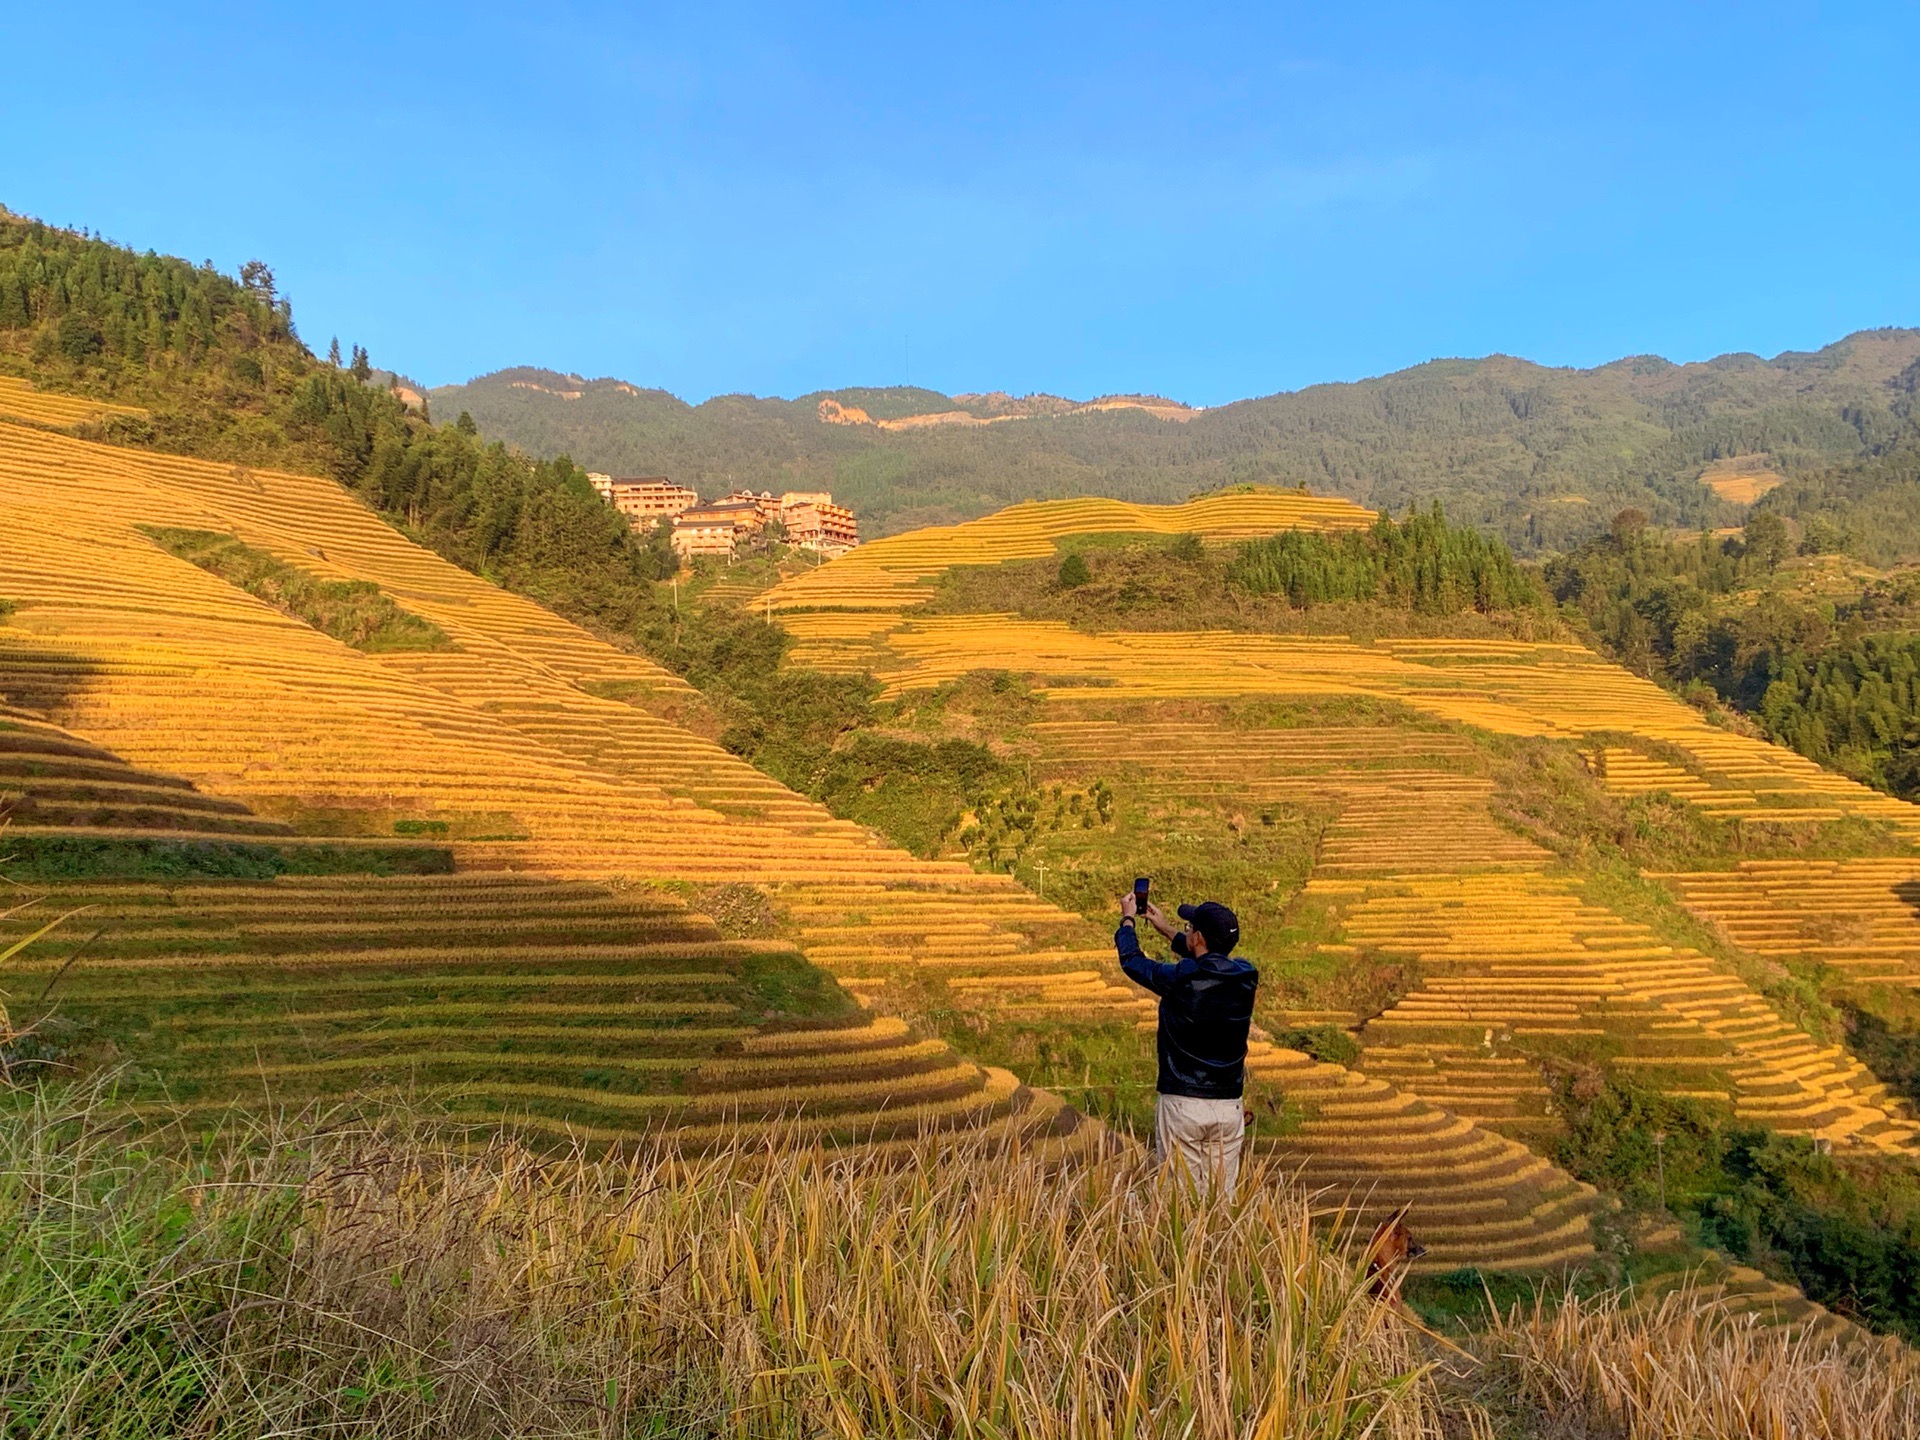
[
  {"x": 819, "y": 524},
  {"x": 764, "y": 503},
  {"x": 645, "y": 500},
  {"x": 717, "y": 529},
  {"x": 809, "y": 517}
]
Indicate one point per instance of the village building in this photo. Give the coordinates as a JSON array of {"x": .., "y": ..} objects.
[
  {"x": 723, "y": 527},
  {"x": 645, "y": 500},
  {"x": 764, "y": 502},
  {"x": 820, "y": 525},
  {"x": 717, "y": 529}
]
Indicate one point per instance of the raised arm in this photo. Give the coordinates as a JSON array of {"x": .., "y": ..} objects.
[
  {"x": 1159, "y": 922},
  {"x": 1139, "y": 968}
]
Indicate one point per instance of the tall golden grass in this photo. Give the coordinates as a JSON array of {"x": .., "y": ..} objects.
[
  {"x": 1691, "y": 1366},
  {"x": 349, "y": 1279},
  {"x": 328, "y": 1277}
]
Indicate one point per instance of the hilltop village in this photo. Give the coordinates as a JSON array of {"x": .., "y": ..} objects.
[{"x": 805, "y": 519}]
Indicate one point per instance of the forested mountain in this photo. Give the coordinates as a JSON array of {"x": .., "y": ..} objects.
[
  {"x": 216, "y": 364},
  {"x": 1544, "y": 456},
  {"x": 1868, "y": 507}
]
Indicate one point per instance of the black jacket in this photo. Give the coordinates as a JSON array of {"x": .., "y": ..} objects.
[{"x": 1206, "y": 1009}]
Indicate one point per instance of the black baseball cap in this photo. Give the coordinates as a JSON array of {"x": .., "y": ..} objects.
[{"x": 1217, "y": 925}]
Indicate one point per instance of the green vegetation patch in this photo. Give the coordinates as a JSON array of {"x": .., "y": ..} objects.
[
  {"x": 1822, "y": 658},
  {"x": 354, "y": 612},
  {"x": 1424, "y": 565},
  {"x": 1846, "y": 1231},
  {"x": 1328, "y": 1043},
  {"x": 918, "y": 792},
  {"x": 786, "y": 721},
  {"x": 1107, "y": 1070},
  {"x": 1868, "y": 507},
  {"x": 49, "y": 858},
  {"x": 1883, "y": 1029},
  {"x": 1545, "y": 790},
  {"x": 1420, "y": 577},
  {"x": 783, "y": 991}
]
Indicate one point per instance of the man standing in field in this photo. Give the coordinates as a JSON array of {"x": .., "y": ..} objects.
[{"x": 1206, "y": 1009}]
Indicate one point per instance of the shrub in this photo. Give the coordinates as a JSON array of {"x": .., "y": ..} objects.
[
  {"x": 45, "y": 858},
  {"x": 1323, "y": 1042}
]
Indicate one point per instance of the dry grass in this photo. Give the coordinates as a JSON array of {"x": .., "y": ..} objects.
[
  {"x": 1690, "y": 1367},
  {"x": 356, "y": 1280},
  {"x": 333, "y": 1277}
]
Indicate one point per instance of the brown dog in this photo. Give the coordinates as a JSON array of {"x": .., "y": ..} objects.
[{"x": 1389, "y": 1253}]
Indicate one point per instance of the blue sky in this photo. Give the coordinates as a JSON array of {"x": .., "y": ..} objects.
[{"x": 1207, "y": 202}]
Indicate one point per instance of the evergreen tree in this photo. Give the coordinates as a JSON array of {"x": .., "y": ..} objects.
[
  {"x": 1766, "y": 539},
  {"x": 333, "y": 352},
  {"x": 1425, "y": 565},
  {"x": 257, "y": 279}
]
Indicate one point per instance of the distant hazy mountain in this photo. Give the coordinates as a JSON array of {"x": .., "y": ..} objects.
[{"x": 1544, "y": 455}]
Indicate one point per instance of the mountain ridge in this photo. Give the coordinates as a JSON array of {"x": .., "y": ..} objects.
[{"x": 1545, "y": 455}]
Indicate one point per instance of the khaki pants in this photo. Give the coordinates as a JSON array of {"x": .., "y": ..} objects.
[{"x": 1204, "y": 1135}]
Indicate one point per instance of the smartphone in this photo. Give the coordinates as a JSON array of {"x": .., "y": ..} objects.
[{"x": 1140, "y": 894}]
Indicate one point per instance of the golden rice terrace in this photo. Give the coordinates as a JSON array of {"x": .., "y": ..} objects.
[{"x": 468, "y": 869}]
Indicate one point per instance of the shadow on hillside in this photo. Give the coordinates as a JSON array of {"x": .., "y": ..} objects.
[
  {"x": 1909, "y": 893},
  {"x": 44, "y": 681}
]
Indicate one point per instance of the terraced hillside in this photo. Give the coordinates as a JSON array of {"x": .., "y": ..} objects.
[
  {"x": 20, "y": 400},
  {"x": 592, "y": 1012},
  {"x": 595, "y": 1014},
  {"x": 57, "y": 783},
  {"x": 887, "y": 575},
  {"x": 1516, "y": 967},
  {"x": 511, "y": 742},
  {"x": 1859, "y": 917},
  {"x": 1508, "y": 687},
  {"x": 1513, "y": 962}
]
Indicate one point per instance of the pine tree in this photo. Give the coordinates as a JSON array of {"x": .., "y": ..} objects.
[
  {"x": 333, "y": 352},
  {"x": 362, "y": 368}
]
